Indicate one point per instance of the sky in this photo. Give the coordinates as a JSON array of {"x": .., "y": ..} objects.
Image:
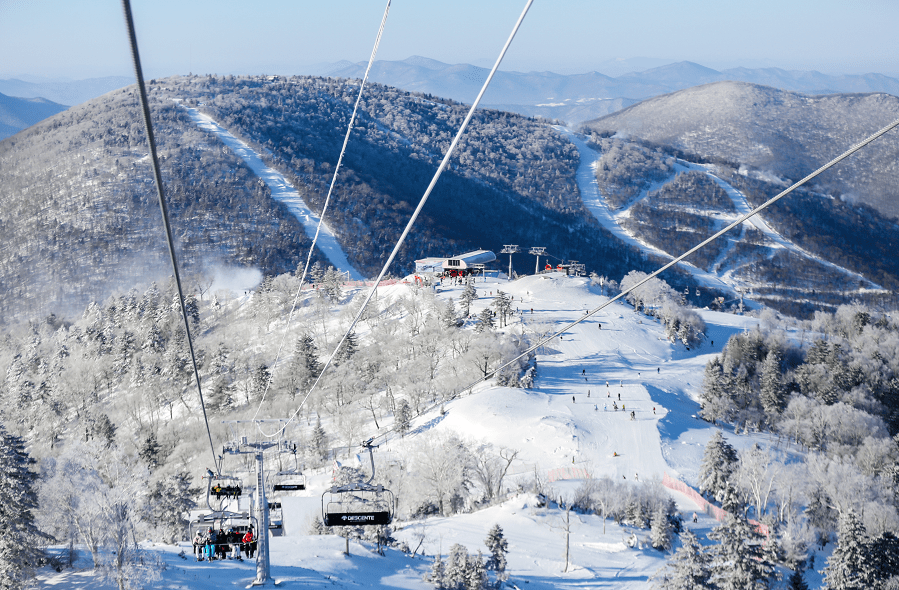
[{"x": 86, "y": 38}]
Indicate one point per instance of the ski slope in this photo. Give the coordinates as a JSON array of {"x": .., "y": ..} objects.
[
  {"x": 282, "y": 191},
  {"x": 723, "y": 279},
  {"x": 551, "y": 431}
]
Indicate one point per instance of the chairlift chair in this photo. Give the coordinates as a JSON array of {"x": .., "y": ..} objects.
[
  {"x": 359, "y": 503},
  {"x": 288, "y": 481}
]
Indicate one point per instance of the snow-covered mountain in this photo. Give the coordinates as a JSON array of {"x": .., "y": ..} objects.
[
  {"x": 67, "y": 92},
  {"x": 575, "y": 98},
  {"x": 18, "y": 113},
  {"x": 783, "y": 133}
]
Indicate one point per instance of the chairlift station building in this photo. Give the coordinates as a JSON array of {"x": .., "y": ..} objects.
[{"x": 461, "y": 265}]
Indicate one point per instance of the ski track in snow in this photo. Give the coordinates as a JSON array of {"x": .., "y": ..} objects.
[
  {"x": 282, "y": 191},
  {"x": 597, "y": 205}
]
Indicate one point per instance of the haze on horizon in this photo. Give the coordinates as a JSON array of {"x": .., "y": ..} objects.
[{"x": 61, "y": 39}]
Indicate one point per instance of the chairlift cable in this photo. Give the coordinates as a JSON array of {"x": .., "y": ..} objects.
[
  {"x": 321, "y": 218},
  {"x": 762, "y": 207},
  {"x": 421, "y": 204},
  {"x": 145, "y": 107}
]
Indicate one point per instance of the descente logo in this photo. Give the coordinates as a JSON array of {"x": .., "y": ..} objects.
[{"x": 357, "y": 518}]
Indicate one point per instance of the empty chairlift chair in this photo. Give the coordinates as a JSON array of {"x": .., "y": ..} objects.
[{"x": 358, "y": 503}]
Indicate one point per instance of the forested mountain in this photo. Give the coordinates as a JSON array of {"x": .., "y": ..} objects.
[
  {"x": 783, "y": 133},
  {"x": 67, "y": 92},
  {"x": 18, "y": 113},
  {"x": 82, "y": 221}
]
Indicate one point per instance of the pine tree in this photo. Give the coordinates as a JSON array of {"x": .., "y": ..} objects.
[
  {"x": 741, "y": 560},
  {"x": 18, "y": 498},
  {"x": 347, "y": 349},
  {"x": 437, "y": 575},
  {"x": 772, "y": 394},
  {"x": 486, "y": 320},
  {"x": 884, "y": 552},
  {"x": 468, "y": 295},
  {"x": 498, "y": 547},
  {"x": 319, "y": 440},
  {"x": 170, "y": 500},
  {"x": 476, "y": 578},
  {"x": 718, "y": 464},
  {"x": 456, "y": 567},
  {"x": 660, "y": 530},
  {"x": 448, "y": 317},
  {"x": 797, "y": 581},
  {"x": 689, "y": 569},
  {"x": 714, "y": 398},
  {"x": 849, "y": 566},
  {"x": 403, "y": 418}
]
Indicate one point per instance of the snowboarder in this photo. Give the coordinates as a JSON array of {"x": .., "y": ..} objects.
[
  {"x": 607, "y": 384},
  {"x": 653, "y": 410},
  {"x": 658, "y": 369},
  {"x": 636, "y": 477},
  {"x": 633, "y": 416},
  {"x": 605, "y": 408},
  {"x": 595, "y": 408},
  {"x": 600, "y": 326},
  {"x": 622, "y": 408},
  {"x": 572, "y": 399},
  {"x": 694, "y": 517},
  {"x": 583, "y": 371},
  {"x": 588, "y": 393},
  {"x": 619, "y": 397}
]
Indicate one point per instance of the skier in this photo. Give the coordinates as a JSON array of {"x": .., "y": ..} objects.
[
  {"x": 588, "y": 393},
  {"x": 633, "y": 416},
  {"x": 658, "y": 369},
  {"x": 604, "y": 408},
  {"x": 653, "y": 410},
  {"x": 694, "y": 517},
  {"x": 572, "y": 399},
  {"x": 619, "y": 397}
]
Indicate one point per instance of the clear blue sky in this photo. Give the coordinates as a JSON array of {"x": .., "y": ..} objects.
[{"x": 86, "y": 38}]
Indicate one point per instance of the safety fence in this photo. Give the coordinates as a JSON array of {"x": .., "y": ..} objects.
[
  {"x": 567, "y": 473},
  {"x": 715, "y": 512}
]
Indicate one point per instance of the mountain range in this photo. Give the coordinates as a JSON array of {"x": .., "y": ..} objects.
[
  {"x": 18, "y": 113},
  {"x": 575, "y": 98},
  {"x": 784, "y": 133}
]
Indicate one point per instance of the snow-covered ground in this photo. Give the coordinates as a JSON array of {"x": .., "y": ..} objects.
[
  {"x": 566, "y": 420},
  {"x": 723, "y": 278},
  {"x": 282, "y": 191}
]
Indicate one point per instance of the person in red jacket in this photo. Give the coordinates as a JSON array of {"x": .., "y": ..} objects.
[{"x": 249, "y": 544}]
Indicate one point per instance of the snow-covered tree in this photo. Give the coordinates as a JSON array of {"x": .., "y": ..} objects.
[
  {"x": 689, "y": 569},
  {"x": 849, "y": 566},
  {"x": 19, "y": 537},
  {"x": 773, "y": 396},
  {"x": 498, "y": 547},
  {"x": 469, "y": 294},
  {"x": 169, "y": 502},
  {"x": 718, "y": 465},
  {"x": 437, "y": 575},
  {"x": 660, "y": 530},
  {"x": 402, "y": 418},
  {"x": 485, "y": 320},
  {"x": 442, "y": 463},
  {"x": 743, "y": 559}
]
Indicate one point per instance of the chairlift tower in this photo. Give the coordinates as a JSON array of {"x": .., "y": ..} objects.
[
  {"x": 241, "y": 444},
  {"x": 537, "y": 251},
  {"x": 510, "y": 249}
]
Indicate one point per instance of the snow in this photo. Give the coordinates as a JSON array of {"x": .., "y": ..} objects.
[
  {"x": 549, "y": 429},
  {"x": 282, "y": 191},
  {"x": 723, "y": 279}
]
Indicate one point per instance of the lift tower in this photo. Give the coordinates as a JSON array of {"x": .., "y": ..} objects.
[
  {"x": 537, "y": 251},
  {"x": 242, "y": 445},
  {"x": 510, "y": 249}
]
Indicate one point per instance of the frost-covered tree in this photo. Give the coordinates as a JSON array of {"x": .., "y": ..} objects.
[
  {"x": 403, "y": 417},
  {"x": 714, "y": 398},
  {"x": 456, "y": 567},
  {"x": 718, "y": 465},
  {"x": 477, "y": 573},
  {"x": 773, "y": 396},
  {"x": 498, "y": 547},
  {"x": 442, "y": 464},
  {"x": 169, "y": 502},
  {"x": 469, "y": 294},
  {"x": 743, "y": 559},
  {"x": 19, "y": 537},
  {"x": 485, "y": 320},
  {"x": 319, "y": 441},
  {"x": 689, "y": 569},
  {"x": 437, "y": 575},
  {"x": 660, "y": 530},
  {"x": 849, "y": 566}
]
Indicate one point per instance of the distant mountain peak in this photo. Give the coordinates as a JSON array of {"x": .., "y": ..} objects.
[{"x": 425, "y": 62}]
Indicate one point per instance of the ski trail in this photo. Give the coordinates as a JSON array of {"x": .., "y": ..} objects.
[
  {"x": 596, "y": 204},
  {"x": 282, "y": 191},
  {"x": 757, "y": 221}
]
